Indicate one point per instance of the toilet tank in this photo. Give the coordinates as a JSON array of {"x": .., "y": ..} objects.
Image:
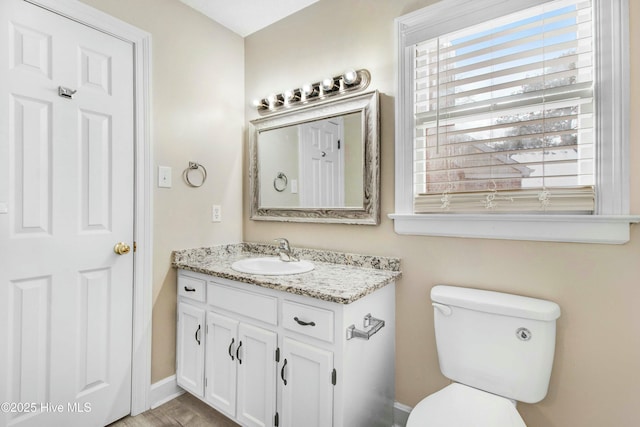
[{"x": 496, "y": 342}]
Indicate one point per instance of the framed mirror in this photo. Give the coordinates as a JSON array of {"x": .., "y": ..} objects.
[{"x": 317, "y": 163}]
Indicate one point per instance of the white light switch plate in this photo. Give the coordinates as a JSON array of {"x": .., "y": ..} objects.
[
  {"x": 4, "y": 208},
  {"x": 164, "y": 177}
]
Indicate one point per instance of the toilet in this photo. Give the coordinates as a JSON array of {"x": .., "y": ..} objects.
[{"x": 497, "y": 349}]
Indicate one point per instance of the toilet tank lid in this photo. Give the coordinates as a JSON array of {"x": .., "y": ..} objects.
[{"x": 496, "y": 302}]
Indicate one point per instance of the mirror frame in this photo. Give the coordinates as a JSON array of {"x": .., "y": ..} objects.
[{"x": 369, "y": 213}]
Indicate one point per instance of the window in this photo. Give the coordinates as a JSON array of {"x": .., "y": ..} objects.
[{"x": 512, "y": 121}]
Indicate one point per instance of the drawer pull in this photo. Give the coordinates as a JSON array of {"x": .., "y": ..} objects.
[
  {"x": 302, "y": 323},
  {"x": 230, "y": 350},
  {"x": 238, "y": 352},
  {"x": 189, "y": 289},
  {"x": 369, "y": 321},
  {"x": 282, "y": 372}
]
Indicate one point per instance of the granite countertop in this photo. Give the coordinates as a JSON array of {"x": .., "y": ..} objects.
[{"x": 338, "y": 277}]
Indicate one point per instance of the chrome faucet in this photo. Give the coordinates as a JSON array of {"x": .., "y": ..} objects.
[{"x": 284, "y": 250}]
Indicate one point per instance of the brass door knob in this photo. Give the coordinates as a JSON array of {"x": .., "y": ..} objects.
[{"x": 121, "y": 248}]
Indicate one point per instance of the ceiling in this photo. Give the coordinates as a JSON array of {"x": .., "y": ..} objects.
[{"x": 247, "y": 16}]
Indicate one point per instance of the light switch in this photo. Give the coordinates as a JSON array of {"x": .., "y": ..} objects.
[
  {"x": 4, "y": 208},
  {"x": 164, "y": 177},
  {"x": 294, "y": 186}
]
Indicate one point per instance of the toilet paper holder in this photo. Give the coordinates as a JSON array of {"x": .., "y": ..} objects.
[{"x": 369, "y": 321}]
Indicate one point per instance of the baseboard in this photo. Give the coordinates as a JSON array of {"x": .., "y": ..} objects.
[
  {"x": 400, "y": 414},
  {"x": 164, "y": 391},
  {"x": 168, "y": 389}
]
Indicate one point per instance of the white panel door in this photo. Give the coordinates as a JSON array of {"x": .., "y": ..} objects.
[
  {"x": 307, "y": 388},
  {"x": 221, "y": 365},
  {"x": 256, "y": 357},
  {"x": 322, "y": 163},
  {"x": 190, "y": 348},
  {"x": 66, "y": 198}
]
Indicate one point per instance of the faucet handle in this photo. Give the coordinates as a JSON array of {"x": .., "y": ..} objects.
[{"x": 282, "y": 242}]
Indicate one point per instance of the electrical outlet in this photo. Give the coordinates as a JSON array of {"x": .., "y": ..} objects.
[{"x": 216, "y": 213}]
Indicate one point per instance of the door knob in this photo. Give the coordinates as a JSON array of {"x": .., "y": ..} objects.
[{"x": 121, "y": 248}]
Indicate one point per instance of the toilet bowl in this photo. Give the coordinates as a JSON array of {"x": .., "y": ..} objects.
[
  {"x": 458, "y": 405},
  {"x": 497, "y": 349}
]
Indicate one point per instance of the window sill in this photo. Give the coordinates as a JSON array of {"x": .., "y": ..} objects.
[{"x": 610, "y": 229}]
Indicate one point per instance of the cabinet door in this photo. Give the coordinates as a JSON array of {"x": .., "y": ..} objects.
[
  {"x": 222, "y": 343},
  {"x": 190, "y": 349},
  {"x": 307, "y": 387},
  {"x": 257, "y": 371}
]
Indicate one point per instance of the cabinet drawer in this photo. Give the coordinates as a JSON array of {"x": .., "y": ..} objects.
[
  {"x": 192, "y": 288},
  {"x": 308, "y": 320},
  {"x": 255, "y": 306}
]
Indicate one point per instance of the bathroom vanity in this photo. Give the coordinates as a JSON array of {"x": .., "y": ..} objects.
[{"x": 310, "y": 349}]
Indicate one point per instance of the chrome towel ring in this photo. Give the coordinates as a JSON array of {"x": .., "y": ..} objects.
[
  {"x": 280, "y": 182},
  {"x": 194, "y": 166}
]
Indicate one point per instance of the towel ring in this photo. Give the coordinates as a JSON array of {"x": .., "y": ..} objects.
[
  {"x": 280, "y": 182},
  {"x": 194, "y": 166}
]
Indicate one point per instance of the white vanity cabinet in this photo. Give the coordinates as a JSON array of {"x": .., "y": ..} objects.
[
  {"x": 274, "y": 358},
  {"x": 240, "y": 370},
  {"x": 307, "y": 395},
  {"x": 190, "y": 345}
]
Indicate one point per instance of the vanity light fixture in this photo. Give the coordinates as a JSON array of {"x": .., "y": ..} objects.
[{"x": 351, "y": 80}]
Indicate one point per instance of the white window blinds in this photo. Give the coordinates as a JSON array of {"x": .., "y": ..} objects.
[{"x": 504, "y": 114}]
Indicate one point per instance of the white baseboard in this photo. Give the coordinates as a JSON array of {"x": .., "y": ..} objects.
[
  {"x": 400, "y": 414},
  {"x": 168, "y": 389},
  {"x": 164, "y": 391}
]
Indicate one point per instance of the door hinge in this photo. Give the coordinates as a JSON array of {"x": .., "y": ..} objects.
[
  {"x": 135, "y": 246},
  {"x": 276, "y": 420},
  {"x": 334, "y": 377},
  {"x": 206, "y": 382},
  {"x": 338, "y": 144},
  {"x": 278, "y": 354}
]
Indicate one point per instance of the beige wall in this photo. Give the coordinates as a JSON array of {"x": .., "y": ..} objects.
[
  {"x": 278, "y": 153},
  {"x": 198, "y": 111},
  {"x": 596, "y": 377}
]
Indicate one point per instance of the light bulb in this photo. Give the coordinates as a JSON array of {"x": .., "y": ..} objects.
[
  {"x": 289, "y": 96},
  {"x": 307, "y": 89},
  {"x": 272, "y": 99},
  {"x": 327, "y": 84},
  {"x": 350, "y": 77}
]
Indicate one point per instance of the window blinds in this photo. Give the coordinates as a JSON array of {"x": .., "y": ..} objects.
[{"x": 504, "y": 114}]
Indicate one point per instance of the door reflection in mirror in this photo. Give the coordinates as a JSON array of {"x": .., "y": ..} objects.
[{"x": 323, "y": 160}]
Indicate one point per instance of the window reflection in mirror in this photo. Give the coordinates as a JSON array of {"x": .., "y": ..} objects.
[{"x": 313, "y": 164}]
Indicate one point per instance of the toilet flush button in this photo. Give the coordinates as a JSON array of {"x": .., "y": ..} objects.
[{"x": 523, "y": 334}]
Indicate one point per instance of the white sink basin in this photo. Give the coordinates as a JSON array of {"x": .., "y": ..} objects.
[{"x": 271, "y": 266}]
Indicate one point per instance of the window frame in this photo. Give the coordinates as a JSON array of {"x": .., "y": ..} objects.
[{"x": 611, "y": 219}]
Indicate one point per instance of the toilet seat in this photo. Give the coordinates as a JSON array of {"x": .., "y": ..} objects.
[{"x": 458, "y": 405}]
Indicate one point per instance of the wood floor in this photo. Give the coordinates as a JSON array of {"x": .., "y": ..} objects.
[{"x": 185, "y": 410}]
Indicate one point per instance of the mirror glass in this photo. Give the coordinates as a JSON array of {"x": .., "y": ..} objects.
[
  {"x": 313, "y": 164},
  {"x": 317, "y": 163}
]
